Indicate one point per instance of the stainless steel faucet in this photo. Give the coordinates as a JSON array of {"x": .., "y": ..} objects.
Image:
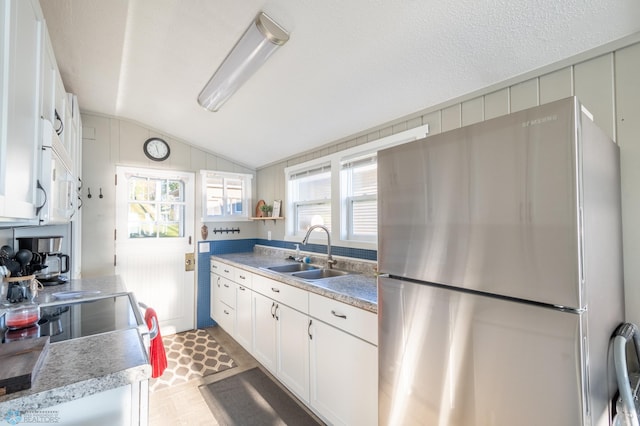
[{"x": 330, "y": 261}]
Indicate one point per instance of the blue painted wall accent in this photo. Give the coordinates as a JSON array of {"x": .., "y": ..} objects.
[
  {"x": 203, "y": 318},
  {"x": 246, "y": 245},
  {"x": 322, "y": 249}
]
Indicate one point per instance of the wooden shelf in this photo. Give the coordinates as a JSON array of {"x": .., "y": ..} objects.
[{"x": 267, "y": 218}]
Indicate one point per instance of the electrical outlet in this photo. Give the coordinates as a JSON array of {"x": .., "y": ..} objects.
[{"x": 269, "y": 235}]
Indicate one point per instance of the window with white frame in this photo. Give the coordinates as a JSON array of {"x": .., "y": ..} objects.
[
  {"x": 359, "y": 190},
  {"x": 310, "y": 195},
  {"x": 350, "y": 177},
  {"x": 225, "y": 196}
]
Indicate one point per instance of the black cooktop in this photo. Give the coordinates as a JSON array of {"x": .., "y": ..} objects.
[{"x": 78, "y": 319}]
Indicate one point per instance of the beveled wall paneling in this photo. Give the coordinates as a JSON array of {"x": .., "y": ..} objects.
[
  {"x": 434, "y": 120},
  {"x": 473, "y": 111},
  {"x": 523, "y": 95},
  {"x": 450, "y": 118},
  {"x": 627, "y": 64},
  {"x": 97, "y": 229},
  {"x": 556, "y": 85},
  {"x": 593, "y": 81},
  {"x": 198, "y": 159},
  {"x": 496, "y": 104}
]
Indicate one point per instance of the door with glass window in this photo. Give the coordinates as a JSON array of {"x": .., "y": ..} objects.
[{"x": 154, "y": 232}]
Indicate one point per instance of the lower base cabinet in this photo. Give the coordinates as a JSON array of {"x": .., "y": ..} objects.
[
  {"x": 264, "y": 332},
  {"x": 280, "y": 343},
  {"x": 344, "y": 376},
  {"x": 125, "y": 405},
  {"x": 293, "y": 351},
  {"x": 244, "y": 325},
  {"x": 307, "y": 341}
]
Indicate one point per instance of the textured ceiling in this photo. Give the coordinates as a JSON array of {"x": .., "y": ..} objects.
[{"x": 348, "y": 66}]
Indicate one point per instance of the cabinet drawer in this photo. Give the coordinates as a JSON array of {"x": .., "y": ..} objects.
[
  {"x": 226, "y": 318},
  {"x": 291, "y": 296},
  {"x": 215, "y": 267},
  {"x": 226, "y": 291},
  {"x": 242, "y": 277},
  {"x": 223, "y": 269},
  {"x": 226, "y": 271},
  {"x": 356, "y": 321}
]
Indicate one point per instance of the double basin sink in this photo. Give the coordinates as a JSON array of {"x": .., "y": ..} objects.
[{"x": 306, "y": 271}]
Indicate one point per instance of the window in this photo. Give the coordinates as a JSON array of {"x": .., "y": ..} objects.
[
  {"x": 359, "y": 183},
  {"x": 155, "y": 207},
  {"x": 340, "y": 191},
  {"x": 226, "y": 196},
  {"x": 310, "y": 195}
]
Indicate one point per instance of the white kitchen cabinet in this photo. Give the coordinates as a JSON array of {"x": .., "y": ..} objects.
[
  {"x": 4, "y": 57},
  {"x": 125, "y": 405},
  {"x": 344, "y": 376},
  {"x": 231, "y": 302},
  {"x": 223, "y": 303},
  {"x": 244, "y": 325},
  {"x": 50, "y": 74},
  {"x": 322, "y": 350},
  {"x": 344, "y": 362},
  {"x": 281, "y": 338},
  {"x": 264, "y": 331},
  {"x": 20, "y": 87},
  {"x": 292, "y": 349}
]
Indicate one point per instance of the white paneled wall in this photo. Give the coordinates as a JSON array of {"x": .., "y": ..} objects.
[
  {"x": 108, "y": 142},
  {"x": 607, "y": 83}
]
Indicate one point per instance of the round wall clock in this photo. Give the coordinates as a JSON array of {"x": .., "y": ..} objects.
[{"x": 156, "y": 149}]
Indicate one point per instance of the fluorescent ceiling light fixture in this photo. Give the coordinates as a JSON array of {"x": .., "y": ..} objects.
[{"x": 258, "y": 42}]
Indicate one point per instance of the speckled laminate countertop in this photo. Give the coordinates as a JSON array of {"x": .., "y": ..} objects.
[
  {"x": 359, "y": 289},
  {"x": 84, "y": 366}
]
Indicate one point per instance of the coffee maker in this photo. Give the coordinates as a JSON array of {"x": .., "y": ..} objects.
[{"x": 46, "y": 251}]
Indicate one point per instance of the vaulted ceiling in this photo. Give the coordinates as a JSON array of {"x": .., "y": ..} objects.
[{"x": 348, "y": 66}]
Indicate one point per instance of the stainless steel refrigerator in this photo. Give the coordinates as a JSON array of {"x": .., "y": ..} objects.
[{"x": 500, "y": 251}]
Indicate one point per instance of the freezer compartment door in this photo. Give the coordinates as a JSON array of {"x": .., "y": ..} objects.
[
  {"x": 459, "y": 359},
  {"x": 492, "y": 207}
]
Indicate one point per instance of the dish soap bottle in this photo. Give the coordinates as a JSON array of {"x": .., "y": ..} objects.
[{"x": 297, "y": 258}]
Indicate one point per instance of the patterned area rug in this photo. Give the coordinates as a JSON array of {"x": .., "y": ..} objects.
[{"x": 191, "y": 355}]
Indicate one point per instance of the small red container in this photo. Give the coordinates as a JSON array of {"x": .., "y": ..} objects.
[{"x": 22, "y": 316}]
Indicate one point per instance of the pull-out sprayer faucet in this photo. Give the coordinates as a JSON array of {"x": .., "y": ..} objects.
[{"x": 330, "y": 261}]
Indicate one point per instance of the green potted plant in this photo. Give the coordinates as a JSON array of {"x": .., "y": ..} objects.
[{"x": 266, "y": 209}]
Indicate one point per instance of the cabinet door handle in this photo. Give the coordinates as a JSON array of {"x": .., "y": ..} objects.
[
  {"x": 277, "y": 317},
  {"x": 39, "y": 186},
  {"x": 309, "y": 330},
  {"x": 226, "y": 271},
  {"x": 275, "y": 290},
  {"x": 273, "y": 306},
  {"x": 242, "y": 277},
  {"x": 241, "y": 288},
  {"x": 226, "y": 285},
  {"x": 335, "y": 314},
  {"x": 226, "y": 312}
]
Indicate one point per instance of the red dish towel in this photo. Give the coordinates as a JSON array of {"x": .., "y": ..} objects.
[{"x": 157, "y": 354}]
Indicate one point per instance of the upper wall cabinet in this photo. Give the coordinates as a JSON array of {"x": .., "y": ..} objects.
[
  {"x": 40, "y": 130},
  {"x": 20, "y": 87}
]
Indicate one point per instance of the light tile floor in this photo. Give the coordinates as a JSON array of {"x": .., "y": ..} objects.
[{"x": 183, "y": 405}]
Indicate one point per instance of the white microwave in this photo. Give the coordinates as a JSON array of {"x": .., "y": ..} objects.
[{"x": 56, "y": 185}]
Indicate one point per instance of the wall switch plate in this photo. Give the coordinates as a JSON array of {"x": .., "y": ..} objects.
[{"x": 269, "y": 235}]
